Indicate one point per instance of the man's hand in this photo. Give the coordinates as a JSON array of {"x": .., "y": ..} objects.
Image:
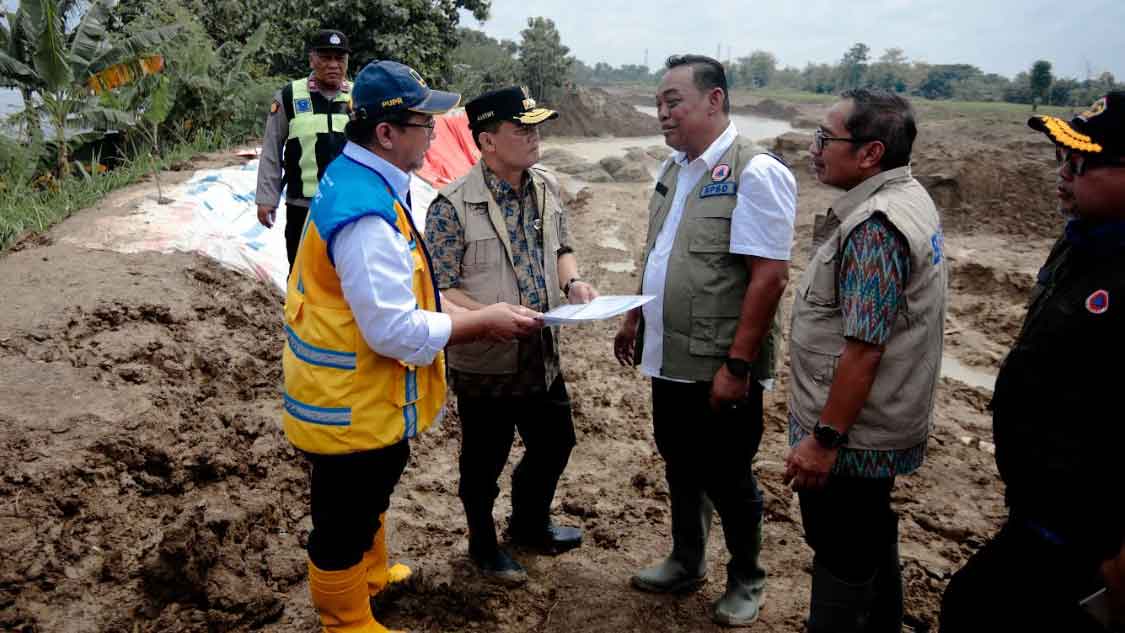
[
  {"x": 505, "y": 322},
  {"x": 808, "y": 464},
  {"x": 581, "y": 292},
  {"x": 728, "y": 389},
  {"x": 1113, "y": 573},
  {"x": 626, "y": 338},
  {"x": 266, "y": 215}
]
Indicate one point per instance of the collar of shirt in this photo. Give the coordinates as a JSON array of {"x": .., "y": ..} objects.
[
  {"x": 399, "y": 180},
  {"x": 345, "y": 87},
  {"x": 714, "y": 151},
  {"x": 1097, "y": 238},
  {"x": 501, "y": 190},
  {"x": 847, "y": 203}
]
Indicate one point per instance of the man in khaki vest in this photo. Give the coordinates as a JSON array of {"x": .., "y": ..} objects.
[
  {"x": 719, "y": 239},
  {"x": 865, "y": 354},
  {"x": 500, "y": 234}
]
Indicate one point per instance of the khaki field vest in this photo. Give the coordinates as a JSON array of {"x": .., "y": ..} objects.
[
  {"x": 898, "y": 413},
  {"x": 487, "y": 272},
  {"x": 706, "y": 283}
]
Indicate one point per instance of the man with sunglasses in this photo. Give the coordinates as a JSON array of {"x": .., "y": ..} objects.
[
  {"x": 500, "y": 233},
  {"x": 304, "y": 132},
  {"x": 865, "y": 351},
  {"x": 364, "y": 367},
  {"x": 1057, "y": 412}
]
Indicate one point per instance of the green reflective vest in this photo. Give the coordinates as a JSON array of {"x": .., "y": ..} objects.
[{"x": 316, "y": 134}]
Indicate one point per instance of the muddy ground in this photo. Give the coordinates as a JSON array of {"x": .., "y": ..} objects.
[{"x": 146, "y": 485}]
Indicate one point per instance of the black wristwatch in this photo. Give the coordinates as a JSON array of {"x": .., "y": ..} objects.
[
  {"x": 829, "y": 437},
  {"x": 738, "y": 367},
  {"x": 569, "y": 283}
]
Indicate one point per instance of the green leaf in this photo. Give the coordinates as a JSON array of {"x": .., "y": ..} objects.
[
  {"x": 160, "y": 102},
  {"x": 50, "y": 59},
  {"x": 14, "y": 73},
  {"x": 90, "y": 36}
]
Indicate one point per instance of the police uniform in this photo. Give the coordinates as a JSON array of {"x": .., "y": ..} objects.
[
  {"x": 1058, "y": 424},
  {"x": 304, "y": 132}
]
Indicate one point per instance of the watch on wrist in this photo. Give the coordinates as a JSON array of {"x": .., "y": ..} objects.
[
  {"x": 738, "y": 367},
  {"x": 569, "y": 283},
  {"x": 829, "y": 437}
]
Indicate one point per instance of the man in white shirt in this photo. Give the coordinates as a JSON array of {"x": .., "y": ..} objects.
[
  {"x": 364, "y": 368},
  {"x": 720, "y": 235}
]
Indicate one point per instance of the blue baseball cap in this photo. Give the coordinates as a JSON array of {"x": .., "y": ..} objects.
[{"x": 385, "y": 86}]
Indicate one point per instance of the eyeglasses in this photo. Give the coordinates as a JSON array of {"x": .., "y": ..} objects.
[
  {"x": 1079, "y": 163},
  {"x": 821, "y": 138},
  {"x": 429, "y": 126}
]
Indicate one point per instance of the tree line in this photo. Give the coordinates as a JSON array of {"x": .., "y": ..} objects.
[{"x": 892, "y": 70}]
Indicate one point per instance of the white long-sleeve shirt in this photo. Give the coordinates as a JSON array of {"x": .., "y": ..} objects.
[{"x": 376, "y": 269}]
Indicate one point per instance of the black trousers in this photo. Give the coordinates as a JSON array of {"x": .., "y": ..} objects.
[
  {"x": 711, "y": 453},
  {"x": 294, "y": 225},
  {"x": 348, "y": 494},
  {"x": 850, "y": 526},
  {"x": 488, "y": 427},
  {"x": 1020, "y": 581}
]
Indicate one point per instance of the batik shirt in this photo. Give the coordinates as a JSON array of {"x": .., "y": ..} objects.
[
  {"x": 874, "y": 270},
  {"x": 538, "y": 356}
]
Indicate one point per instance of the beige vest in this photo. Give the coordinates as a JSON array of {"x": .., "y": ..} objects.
[
  {"x": 898, "y": 413},
  {"x": 706, "y": 283},
  {"x": 487, "y": 273}
]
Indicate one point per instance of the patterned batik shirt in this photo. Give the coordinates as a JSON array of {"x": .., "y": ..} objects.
[
  {"x": 873, "y": 274},
  {"x": 445, "y": 237}
]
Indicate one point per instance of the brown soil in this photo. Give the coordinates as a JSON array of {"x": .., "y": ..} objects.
[
  {"x": 147, "y": 486},
  {"x": 587, "y": 111}
]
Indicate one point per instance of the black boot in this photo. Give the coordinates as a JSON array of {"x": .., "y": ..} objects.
[
  {"x": 493, "y": 563},
  {"x": 886, "y": 610},
  {"x": 746, "y": 579},
  {"x": 685, "y": 569},
  {"x": 836, "y": 606}
]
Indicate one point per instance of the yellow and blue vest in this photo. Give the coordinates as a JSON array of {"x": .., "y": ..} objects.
[{"x": 340, "y": 395}]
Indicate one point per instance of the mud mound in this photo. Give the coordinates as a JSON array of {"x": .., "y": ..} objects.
[
  {"x": 145, "y": 477},
  {"x": 985, "y": 188},
  {"x": 594, "y": 112},
  {"x": 770, "y": 109}
]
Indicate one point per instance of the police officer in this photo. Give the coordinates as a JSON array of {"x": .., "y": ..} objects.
[
  {"x": 304, "y": 132},
  {"x": 1058, "y": 420},
  {"x": 364, "y": 367}
]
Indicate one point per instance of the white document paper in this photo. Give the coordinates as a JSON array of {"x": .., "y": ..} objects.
[{"x": 603, "y": 307}]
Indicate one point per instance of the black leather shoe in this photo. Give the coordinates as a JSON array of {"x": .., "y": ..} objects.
[
  {"x": 551, "y": 539},
  {"x": 498, "y": 567}
]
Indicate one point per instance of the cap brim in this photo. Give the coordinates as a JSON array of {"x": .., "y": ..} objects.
[
  {"x": 1063, "y": 134},
  {"x": 437, "y": 102},
  {"x": 342, "y": 49},
  {"x": 537, "y": 116}
]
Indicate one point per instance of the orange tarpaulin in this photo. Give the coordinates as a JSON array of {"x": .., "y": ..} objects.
[{"x": 452, "y": 152}]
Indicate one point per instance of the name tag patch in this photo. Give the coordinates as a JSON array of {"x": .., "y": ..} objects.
[
  {"x": 302, "y": 105},
  {"x": 726, "y": 188}
]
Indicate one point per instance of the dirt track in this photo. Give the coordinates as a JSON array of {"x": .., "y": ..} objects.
[{"x": 147, "y": 487}]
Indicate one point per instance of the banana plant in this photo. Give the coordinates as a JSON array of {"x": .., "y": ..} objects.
[{"x": 55, "y": 65}]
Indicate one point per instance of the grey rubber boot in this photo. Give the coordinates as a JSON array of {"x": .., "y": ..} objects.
[
  {"x": 685, "y": 569},
  {"x": 746, "y": 580},
  {"x": 837, "y": 606}
]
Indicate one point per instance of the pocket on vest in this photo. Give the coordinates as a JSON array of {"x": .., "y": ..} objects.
[
  {"x": 322, "y": 346},
  {"x": 711, "y": 235},
  {"x": 714, "y": 322},
  {"x": 822, "y": 283},
  {"x": 808, "y": 364}
]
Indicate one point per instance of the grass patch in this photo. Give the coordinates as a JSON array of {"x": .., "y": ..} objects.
[{"x": 23, "y": 209}]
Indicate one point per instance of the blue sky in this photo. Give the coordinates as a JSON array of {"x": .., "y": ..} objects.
[{"x": 1002, "y": 36}]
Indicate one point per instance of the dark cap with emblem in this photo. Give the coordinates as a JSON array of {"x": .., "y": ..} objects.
[
  {"x": 386, "y": 87},
  {"x": 1099, "y": 130},
  {"x": 506, "y": 104},
  {"x": 329, "y": 40}
]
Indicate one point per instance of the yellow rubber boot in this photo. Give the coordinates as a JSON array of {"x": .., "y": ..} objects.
[
  {"x": 379, "y": 575},
  {"x": 341, "y": 599}
]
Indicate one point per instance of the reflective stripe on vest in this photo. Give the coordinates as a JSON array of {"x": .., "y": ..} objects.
[{"x": 306, "y": 125}]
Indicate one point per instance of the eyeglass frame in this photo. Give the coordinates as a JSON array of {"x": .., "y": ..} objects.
[
  {"x": 1088, "y": 162},
  {"x": 431, "y": 127},
  {"x": 821, "y": 139}
]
